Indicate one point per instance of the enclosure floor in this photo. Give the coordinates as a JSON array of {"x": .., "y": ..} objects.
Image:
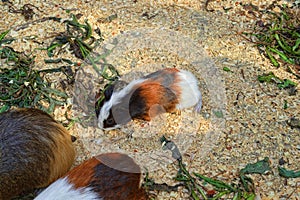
[{"x": 255, "y": 121}]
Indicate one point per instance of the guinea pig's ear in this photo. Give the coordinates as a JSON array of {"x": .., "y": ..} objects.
[
  {"x": 108, "y": 90},
  {"x": 116, "y": 86}
]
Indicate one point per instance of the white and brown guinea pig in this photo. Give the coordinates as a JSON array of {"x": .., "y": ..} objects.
[
  {"x": 106, "y": 176},
  {"x": 35, "y": 150},
  {"x": 162, "y": 91}
]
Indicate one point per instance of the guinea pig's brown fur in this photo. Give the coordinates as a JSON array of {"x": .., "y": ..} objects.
[
  {"x": 106, "y": 176},
  {"x": 156, "y": 99},
  {"x": 108, "y": 182},
  {"x": 35, "y": 150}
]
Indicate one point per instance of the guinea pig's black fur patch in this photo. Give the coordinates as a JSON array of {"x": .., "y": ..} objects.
[
  {"x": 110, "y": 121},
  {"x": 137, "y": 105},
  {"x": 107, "y": 93}
]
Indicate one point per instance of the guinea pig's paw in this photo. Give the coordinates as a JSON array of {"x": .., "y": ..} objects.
[
  {"x": 144, "y": 124},
  {"x": 198, "y": 106}
]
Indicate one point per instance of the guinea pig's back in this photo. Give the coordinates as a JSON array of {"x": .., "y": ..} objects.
[
  {"x": 106, "y": 176},
  {"x": 35, "y": 150}
]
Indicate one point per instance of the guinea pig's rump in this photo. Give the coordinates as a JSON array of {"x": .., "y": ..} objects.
[{"x": 35, "y": 150}]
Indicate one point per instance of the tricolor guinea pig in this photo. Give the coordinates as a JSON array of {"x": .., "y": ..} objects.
[
  {"x": 106, "y": 176},
  {"x": 35, "y": 150},
  {"x": 162, "y": 91}
]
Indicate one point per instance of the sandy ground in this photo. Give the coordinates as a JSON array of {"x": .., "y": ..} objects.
[{"x": 182, "y": 34}]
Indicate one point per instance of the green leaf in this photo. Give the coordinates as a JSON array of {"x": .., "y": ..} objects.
[
  {"x": 288, "y": 173},
  {"x": 200, "y": 190},
  {"x": 282, "y": 55},
  {"x": 56, "y": 92},
  {"x": 218, "y": 113},
  {"x": 67, "y": 61},
  {"x": 282, "y": 84},
  {"x": 218, "y": 184},
  {"x": 226, "y": 69},
  {"x": 271, "y": 57},
  {"x": 181, "y": 178},
  {"x": 88, "y": 29},
  {"x": 286, "y": 84},
  {"x": 194, "y": 195},
  {"x": 268, "y": 78},
  {"x": 297, "y": 43},
  {"x": 220, "y": 194},
  {"x": 4, "y": 108},
  {"x": 2, "y": 35},
  {"x": 51, "y": 107},
  {"x": 51, "y": 48},
  {"x": 260, "y": 167},
  {"x": 282, "y": 44},
  {"x": 53, "y": 60},
  {"x": 250, "y": 197},
  {"x": 246, "y": 181},
  {"x": 285, "y": 104}
]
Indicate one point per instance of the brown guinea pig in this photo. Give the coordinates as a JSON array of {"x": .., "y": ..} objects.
[
  {"x": 106, "y": 176},
  {"x": 162, "y": 91},
  {"x": 35, "y": 150}
]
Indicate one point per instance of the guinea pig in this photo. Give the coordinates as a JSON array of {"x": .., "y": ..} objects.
[
  {"x": 106, "y": 176},
  {"x": 35, "y": 150},
  {"x": 162, "y": 91}
]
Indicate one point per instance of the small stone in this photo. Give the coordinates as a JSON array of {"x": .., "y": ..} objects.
[
  {"x": 14, "y": 33},
  {"x": 26, "y": 83},
  {"x": 281, "y": 161},
  {"x": 109, "y": 46}
]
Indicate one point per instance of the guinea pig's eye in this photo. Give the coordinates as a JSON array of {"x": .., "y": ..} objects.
[{"x": 110, "y": 121}]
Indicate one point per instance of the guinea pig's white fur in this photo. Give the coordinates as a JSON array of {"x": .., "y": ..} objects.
[
  {"x": 63, "y": 190},
  {"x": 190, "y": 94}
]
